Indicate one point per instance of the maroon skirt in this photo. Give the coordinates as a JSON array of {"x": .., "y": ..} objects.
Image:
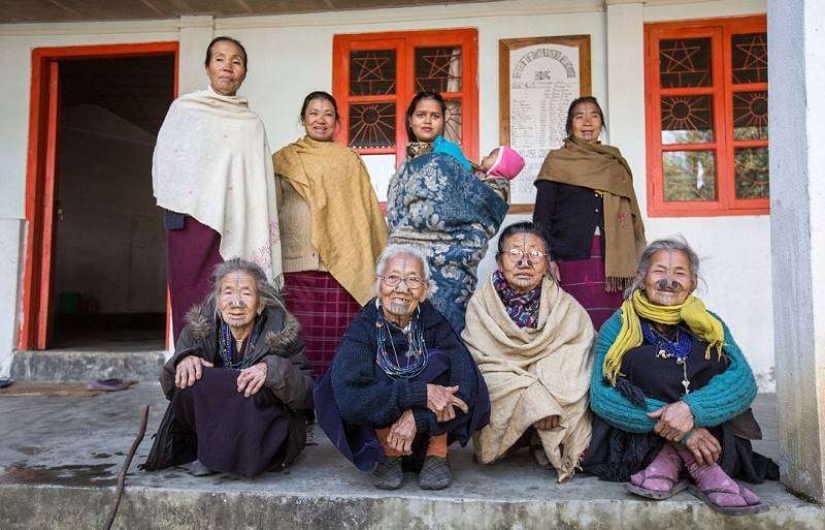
[
  {"x": 325, "y": 311},
  {"x": 191, "y": 256},
  {"x": 584, "y": 279}
]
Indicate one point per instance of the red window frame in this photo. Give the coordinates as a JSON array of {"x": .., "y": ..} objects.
[
  {"x": 405, "y": 43},
  {"x": 722, "y": 90}
]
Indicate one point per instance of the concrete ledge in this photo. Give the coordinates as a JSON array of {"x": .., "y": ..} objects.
[
  {"x": 28, "y": 507},
  {"x": 80, "y": 365},
  {"x": 59, "y": 458}
]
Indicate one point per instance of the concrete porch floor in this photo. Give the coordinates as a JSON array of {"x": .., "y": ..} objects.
[{"x": 60, "y": 456}]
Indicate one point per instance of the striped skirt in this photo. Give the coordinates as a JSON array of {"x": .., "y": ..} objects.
[
  {"x": 325, "y": 311},
  {"x": 584, "y": 279}
]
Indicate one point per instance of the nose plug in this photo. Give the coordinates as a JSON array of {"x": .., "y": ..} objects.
[
  {"x": 237, "y": 302},
  {"x": 663, "y": 285},
  {"x": 524, "y": 261}
]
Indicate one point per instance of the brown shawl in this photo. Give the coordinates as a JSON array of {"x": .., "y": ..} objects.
[
  {"x": 348, "y": 227},
  {"x": 603, "y": 168}
]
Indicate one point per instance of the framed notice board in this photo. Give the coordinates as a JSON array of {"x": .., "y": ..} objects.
[{"x": 538, "y": 78}]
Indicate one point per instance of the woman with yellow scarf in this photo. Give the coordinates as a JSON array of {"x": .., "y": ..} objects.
[
  {"x": 671, "y": 392},
  {"x": 332, "y": 230}
]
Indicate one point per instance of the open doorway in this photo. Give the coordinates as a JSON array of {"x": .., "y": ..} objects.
[
  {"x": 95, "y": 278},
  {"x": 110, "y": 249}
]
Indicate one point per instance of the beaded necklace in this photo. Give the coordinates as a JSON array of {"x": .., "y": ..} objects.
[
  {"x": 227, "y": 347},
  {"x": 416, "y": 347},
  {"x": 670, "y": 349}
]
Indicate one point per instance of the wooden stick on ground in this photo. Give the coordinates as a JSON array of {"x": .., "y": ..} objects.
[{"x": 121, "y": 477}]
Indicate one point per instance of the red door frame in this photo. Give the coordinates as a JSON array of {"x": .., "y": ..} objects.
[{"x": 40, "y": 174}]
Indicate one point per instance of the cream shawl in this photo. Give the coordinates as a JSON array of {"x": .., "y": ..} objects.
[
  {"x": 533, "y": 373},
  {"x": 212, "y": 162},
  {"x": 348, "y": 227}
]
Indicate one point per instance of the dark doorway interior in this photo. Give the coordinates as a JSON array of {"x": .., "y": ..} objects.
[{"x": 110, "y": 253}]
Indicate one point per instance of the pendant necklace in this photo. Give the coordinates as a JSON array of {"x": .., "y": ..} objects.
[{"x": 678, "y": 349}]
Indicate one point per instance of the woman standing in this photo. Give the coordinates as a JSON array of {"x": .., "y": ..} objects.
[
  {"x": 587, "y": 209},
  {"x": 333, "y": 229},
  {"x": 435, "y": 202},
  {"x": 211, "y": 172}
]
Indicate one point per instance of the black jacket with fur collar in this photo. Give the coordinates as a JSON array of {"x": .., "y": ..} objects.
[
  {"x": 288, "y": 371},
  {"x": 288, "y": 375}
]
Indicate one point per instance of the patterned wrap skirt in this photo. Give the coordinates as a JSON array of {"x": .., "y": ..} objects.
[
  {"x": 584, "y": 279},
  {"x": 325, "y": 311}
]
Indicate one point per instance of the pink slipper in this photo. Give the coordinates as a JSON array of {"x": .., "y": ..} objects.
[
  {"x": 659, "y": 480},
  {"x": 716, "y": 489}
]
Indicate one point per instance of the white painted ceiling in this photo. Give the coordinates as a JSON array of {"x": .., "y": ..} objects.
[{"x": 95, "y": 10}]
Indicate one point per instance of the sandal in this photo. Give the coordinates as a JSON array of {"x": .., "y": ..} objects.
[
  {"x": 753, "y": 504},
  {"x": 718, "y": 490},
  {"x": 677, "y": 486},
  {"x": 665, "y": 467}
]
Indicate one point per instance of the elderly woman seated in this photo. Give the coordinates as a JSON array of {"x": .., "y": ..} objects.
[
  {"x": 402, "y": 385},
  {"x": 672, "y": 391},
  {"x": 238, "y": 381},
  {"x": 532, "y": 342}
]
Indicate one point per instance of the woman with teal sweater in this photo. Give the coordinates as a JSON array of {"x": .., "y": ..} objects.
[{"x": 671, "y": 392}]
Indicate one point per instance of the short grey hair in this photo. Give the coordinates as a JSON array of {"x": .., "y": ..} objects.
[
  {"x": 268, "y": 294},
  {"x": 394, "y": 250},
  {"x": 672, "y": 243}
]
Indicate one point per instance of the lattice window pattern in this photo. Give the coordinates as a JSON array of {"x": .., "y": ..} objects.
[
  {"x": 371, "y": 125},
  {"x": 749, "y": 53},
  {"x": 687, "y": 119},
  {"x": 372, "y": 72},
  {"x": 452, "y": 127},
  {"x": 750, "y": 115},
  {"x": 685, "y": 63},
  {"x": 438, "y": 69},
  {"x": 707, "y": 117}
]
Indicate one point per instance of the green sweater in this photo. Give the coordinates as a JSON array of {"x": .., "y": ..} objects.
[{"x": 724, "y": 397}]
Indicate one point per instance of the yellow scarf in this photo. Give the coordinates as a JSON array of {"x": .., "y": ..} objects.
[
  {"x": 348, "y": 227},
  {"x": 692, "y": 312}
]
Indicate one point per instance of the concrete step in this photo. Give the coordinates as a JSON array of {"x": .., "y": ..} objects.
[
  {"x": 78, "y": 364},
  {"x": 60, "y": 456}
]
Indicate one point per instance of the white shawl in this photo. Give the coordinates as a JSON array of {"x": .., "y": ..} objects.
[
  {"x": 212, "y": 162},
  {"x": 533, "y": 373}
]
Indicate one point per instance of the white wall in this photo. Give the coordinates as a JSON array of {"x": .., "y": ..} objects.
[{"x": 292, "y": 55}]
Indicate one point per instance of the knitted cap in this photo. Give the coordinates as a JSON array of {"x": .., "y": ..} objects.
[{"x": 508, "y": 163}]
